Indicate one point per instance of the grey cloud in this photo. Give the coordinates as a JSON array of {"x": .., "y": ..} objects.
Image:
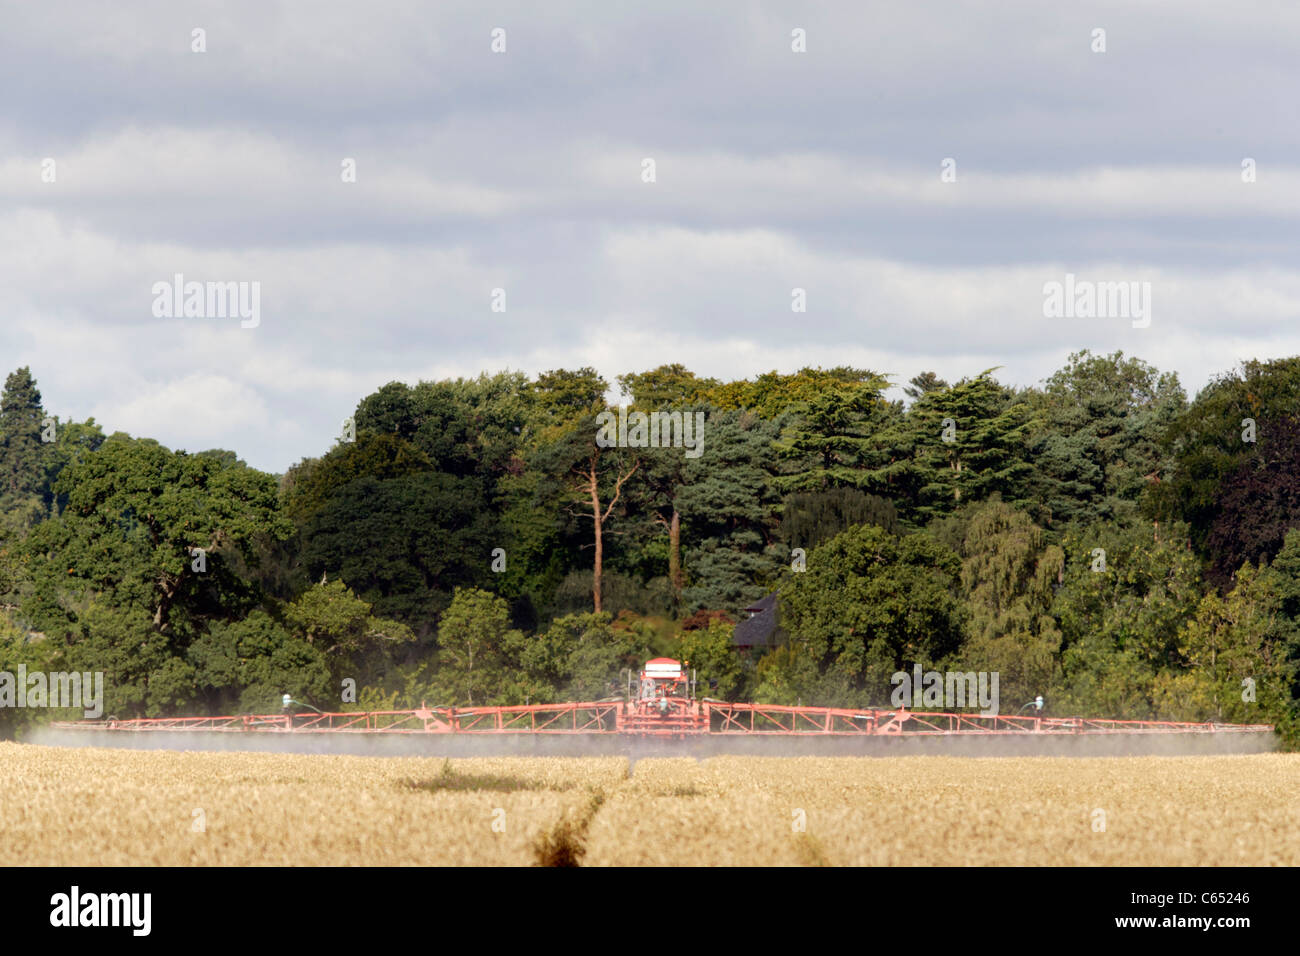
[{"x": 775, "y": 170}]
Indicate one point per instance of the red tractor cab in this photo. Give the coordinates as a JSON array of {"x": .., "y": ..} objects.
[{"x": 664, "y": 702}]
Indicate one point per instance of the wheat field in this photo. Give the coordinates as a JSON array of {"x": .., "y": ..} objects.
[{"x": 128, "y": 808}]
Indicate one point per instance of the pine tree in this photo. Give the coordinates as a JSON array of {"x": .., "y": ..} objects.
[
  {"x": 726, "y": 506},
  {"x": 1096, "y": 442},
  {"x": 962, "y": 444},
  {"x": 20, "y": 434},
  {"x": 810, "y": 518},
  {"x": 833, "y": 438},
  {"x": 22, "y": 456}
]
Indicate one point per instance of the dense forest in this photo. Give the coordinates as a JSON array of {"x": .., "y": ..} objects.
[{"x": 1099, "y": 540}]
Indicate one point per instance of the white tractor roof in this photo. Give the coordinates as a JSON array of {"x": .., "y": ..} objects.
[{"x": 663, "y": 667}]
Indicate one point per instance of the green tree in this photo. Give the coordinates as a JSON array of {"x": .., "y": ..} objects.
[
  {"x": 925, "y": 382},
  {"x": 578, "y": 657},
  {"x": 833, "y": 437},
  {"x": 591, "y": 480},
  {"x": 869, "y": 605},
  {"x": 17, "y": 650},
  {"x": 675, "y": 389},
  {"x": 666, "y": 387},
  {"x": 1237, "y": 667},
  {"x": 431, "y": 416},
  {"x": 374, "y": 455},
  {"x": 138, "y": 515},
  {"x": 1258, "y": 501},
  {"x": 1210, "y": 440},
  {"x": 22, "y": 456},
  {"x": 473, "y": 636},
  {"x": 772, "y": 393},
  {"x": 1096, "y": 444},
  {"x": 809, "y": 518},
  {"x": 727, "y": 504},
  {"x": 144, "y": 675},
  {"x": 249, "y": 664},
  {"x": 1009, "y": 574},
  {"x": 1284, "y": 578},
  {"x": 710, "y": 653},
  {"x": 564, "y": 396},
  {"x": 405, "y": 543},
  {"x": 337, "y": 623},
  {"x": 73, "y": 442},
  {"x": 957, "y": 444},
  {"x": 1124, "y": 599}
]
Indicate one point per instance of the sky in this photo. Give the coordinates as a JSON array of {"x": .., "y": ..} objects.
[{"x": 921, "y": 170}]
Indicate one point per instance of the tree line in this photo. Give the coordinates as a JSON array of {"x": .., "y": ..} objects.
[{"x": 1098, "y": 539}]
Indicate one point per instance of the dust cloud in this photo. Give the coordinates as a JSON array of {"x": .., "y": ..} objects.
[{"x": 372, "y": 744}]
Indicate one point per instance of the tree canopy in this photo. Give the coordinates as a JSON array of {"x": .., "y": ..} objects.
[{"x": 1095, "y": 538}]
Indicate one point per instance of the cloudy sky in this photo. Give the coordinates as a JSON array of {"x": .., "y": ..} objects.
[{"x": 523, "y": 170}]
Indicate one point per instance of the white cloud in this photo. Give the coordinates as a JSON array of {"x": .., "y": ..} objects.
[
  {"x": 208, "y": 410},
  {"x": 775, "y": 170}
]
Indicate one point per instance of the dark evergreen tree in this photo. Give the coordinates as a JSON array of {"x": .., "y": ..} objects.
[
  {"x": 22, "y": 454},
  {"x": 1096, "y": 439},
  {"x": 728, "y": 505},
  {"x": 810, "y": 518}
]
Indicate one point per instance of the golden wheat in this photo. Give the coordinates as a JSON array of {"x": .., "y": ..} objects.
[
  {"x": 128, "y": 808},
  {"x": 926, "y": 811}
]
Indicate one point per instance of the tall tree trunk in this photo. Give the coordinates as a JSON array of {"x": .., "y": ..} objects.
[
  {"x": 469, "y": 673},
  {"x": 591, "y": 483},
  {"x": 597, "y": 568},
  {"x": 675, "y": 552}
]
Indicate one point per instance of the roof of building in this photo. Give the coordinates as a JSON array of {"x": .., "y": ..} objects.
[{"x": 759, "y": 629}]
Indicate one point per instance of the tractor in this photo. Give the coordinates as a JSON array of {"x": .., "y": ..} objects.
[{"x": 664, "y": 702}]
